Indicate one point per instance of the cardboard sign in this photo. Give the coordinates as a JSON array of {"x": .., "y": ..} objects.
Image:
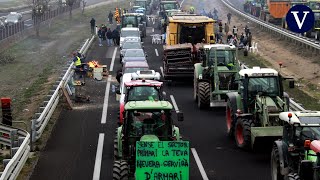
[{"x": 163, "y": 160}]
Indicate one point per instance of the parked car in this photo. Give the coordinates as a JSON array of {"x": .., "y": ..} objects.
[
  {"x": 129, "y": 44},
  {"x": 129, "y": 32},
  {"x": 134, "y": 55},
  {"x": 13, "y": 18},
  {"x": 132, "y": 67}
]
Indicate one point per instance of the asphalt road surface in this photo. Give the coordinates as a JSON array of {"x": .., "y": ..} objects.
[{"x": 81, "y": 145}]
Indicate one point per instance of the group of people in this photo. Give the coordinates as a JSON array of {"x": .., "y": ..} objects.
[
  {"x": 232, "y": 36},
  {"x": 112, "y": 37}
]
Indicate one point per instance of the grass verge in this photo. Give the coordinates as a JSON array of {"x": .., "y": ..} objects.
[{"x": 304, "y": 93}]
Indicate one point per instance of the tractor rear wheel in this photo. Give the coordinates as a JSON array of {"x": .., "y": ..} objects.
[
  {"x": 242, "y": 133},
  {"x": 203, "y": 95},
  {"x": 229, "y": 118},
  {"x": 195, "y": 83},
  {"x": 275, "y": 164},
  {"x": 115, "y": 149},
  {"x": 120, "y": 170},
  {"x": 293, "y": 176}
]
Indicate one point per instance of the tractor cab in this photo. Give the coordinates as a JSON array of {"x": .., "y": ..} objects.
[
  {"x": 129, "y": 20},
  {"x": 217, "y": 71},
  {"x": 168, "y": 5},
  {"x": 144, "y": 121},
  {"x": 143, "y": 86},
  {"x": 300, "y": 145}
]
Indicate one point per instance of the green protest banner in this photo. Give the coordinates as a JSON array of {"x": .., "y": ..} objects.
[{"x": 164, "y": 160}]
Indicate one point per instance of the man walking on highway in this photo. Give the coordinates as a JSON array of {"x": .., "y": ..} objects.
[
  {"x": 229, "y": 17},
  {"x": 110, "y": 16},
  {"x": 115, "y": 36},
  {"x": 93, "y": 24},
  {"x": 226, "y": 28},
  {"x": 100, "y": 35},
  {"x": 109, "y": 37},
  {"x": 235, "y": 31}
]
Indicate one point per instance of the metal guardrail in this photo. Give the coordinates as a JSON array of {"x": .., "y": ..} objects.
[
  {"x": 286, "y": 33},
  {"x": 294, "y": 106},
  {"x": 19, "y": 141},
  {"x": 41, "y": 119}
]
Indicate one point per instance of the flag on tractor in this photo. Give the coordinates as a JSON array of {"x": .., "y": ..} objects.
[{"x": 117, "y": 15}]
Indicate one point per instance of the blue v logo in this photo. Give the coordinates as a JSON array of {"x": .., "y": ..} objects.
[{"x": 300, "y": 18}]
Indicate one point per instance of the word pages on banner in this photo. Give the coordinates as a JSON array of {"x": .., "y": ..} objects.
[{"x": 163, "y": 160}]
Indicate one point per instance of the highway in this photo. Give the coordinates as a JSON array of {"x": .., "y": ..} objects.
[{"x": 81, "y": 144}]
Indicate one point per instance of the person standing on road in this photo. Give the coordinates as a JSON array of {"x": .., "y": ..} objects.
[
  {"x": 109, "y": 37},
  {"x": 76, "y": 60},
  {"x": 247, "y": 30},
  {"x": 229, "y": 17},
  {"x": 115, "y": 36},
  {"x": 93, "y": 24},
  {"x": 100, "y": 35},
  {"x": 235, "y": 31},
  {"x": 250, "y": 39},
  {"x": 110, "y": 16},
  {"x": 220, "y": 27},
  {"x": 226, "y": 28}
]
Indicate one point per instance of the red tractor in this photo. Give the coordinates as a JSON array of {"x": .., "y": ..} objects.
[{"x": 140, "y": 90}]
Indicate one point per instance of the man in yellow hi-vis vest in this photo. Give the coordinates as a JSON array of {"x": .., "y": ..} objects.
[
  {"x": 77, "y": 60},
  {"x": 191, "y": 10}
]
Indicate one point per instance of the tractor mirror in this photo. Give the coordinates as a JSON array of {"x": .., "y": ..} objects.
[
  {"x": 118, "y": 92},
  {"x": 164, "y": 94},
  {"x": 180, "y": 116},
  {"x": 291, "y": 84}
]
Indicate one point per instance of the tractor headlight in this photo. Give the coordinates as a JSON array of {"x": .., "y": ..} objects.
[{"x": 200, "y": 76}]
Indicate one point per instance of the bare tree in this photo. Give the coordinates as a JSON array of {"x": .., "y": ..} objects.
[
  {"x": 70, "y": 3},
  {"x": 84, "y": 3},
  {"x": 38, "y": 9}
]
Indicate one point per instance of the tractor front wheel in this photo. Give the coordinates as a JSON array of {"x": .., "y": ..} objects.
[
  {"x": 293, "y": 176},
  {"x": 203, "y": 95},
  {"x": 120, "y": 170},
  {"x": 275, "y": 165},
  {"x": 242, "y": 133},
  {"x": 229, "y": 118}
]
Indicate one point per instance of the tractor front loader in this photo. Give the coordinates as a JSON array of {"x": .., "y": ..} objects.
[
  {"x": 253, "y": 112},
  {"x": 143, "y": 121},
  {"x": 297, "y": 155},
  {"x": 216, "y": 75}
]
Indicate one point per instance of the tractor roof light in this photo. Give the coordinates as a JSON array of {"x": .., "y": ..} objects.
[
  {"x": 239, "y": 111},
  {"x": 307, "y": 144},
  {"x": 289, "y": 116}
]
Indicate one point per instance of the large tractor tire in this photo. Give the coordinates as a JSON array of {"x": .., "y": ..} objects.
[
  {"x": 275, "y": 165},
  {"x": 229, "y": 118},
  {"x": 293, "y": 176},
  {"x": 242, "y": 133},
  {"x": 195, "y": 93},
  {"x": 203, "y": 95},
  {"x": 120, "y": 170},
  {"x": 115, "y": 149}
]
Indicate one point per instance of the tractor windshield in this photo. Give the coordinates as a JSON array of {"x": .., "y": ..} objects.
[
  {"x": 143, "y": 93},
  {"x": 129, "y": 20},
  {"x": 223, "y": 57},
  {"x": 149, "y": 122},
  {"x": 307, "y": 133},
  {"x": 266, "y": 85},
  {"x": 169, "y": 6}
]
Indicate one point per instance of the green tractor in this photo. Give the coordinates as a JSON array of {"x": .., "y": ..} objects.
[
  {"x": 253, "y": 112},
  {"x": 216, "y": 75},
  {"x": 297, "y": 155},
  {"x": 143, "y": 121}
]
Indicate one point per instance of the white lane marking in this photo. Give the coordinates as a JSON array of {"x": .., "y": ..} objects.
[
  {"x": 105, "y": 102},
  {"x": 161, "y": 70},
  {"x": 174, "y": 103},
  {"x": 152, "y": 29},
  {"x": 113, "y": 58},
  {"x": 156, "y": 50},
  {"x": 97, "y": 165},
  {"x": 28, "y": 20},
  {"x": 202, "y": 171}
]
